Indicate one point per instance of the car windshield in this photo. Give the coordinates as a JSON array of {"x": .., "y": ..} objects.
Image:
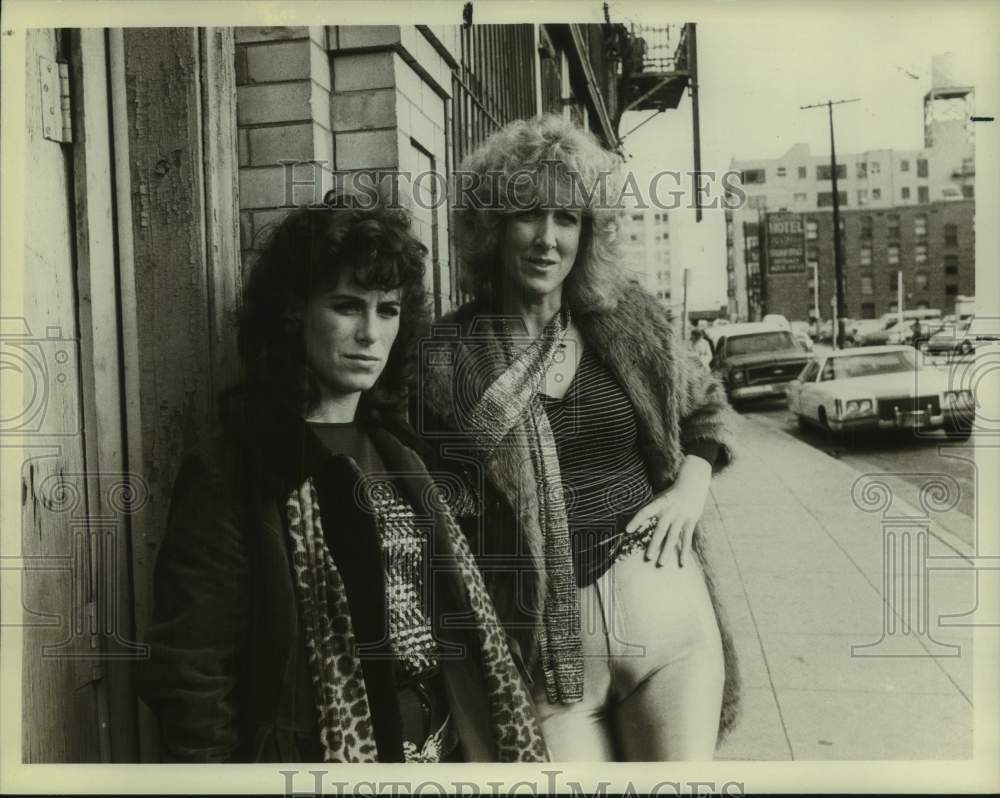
[
  {"x": 759, "y": 342},
  {"x": 864, "y": 365}
]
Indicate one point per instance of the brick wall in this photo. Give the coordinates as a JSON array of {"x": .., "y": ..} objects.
[
  {"x": 790, "y": 294},
  {"x": 284, "y": 115},
  {"x": 341, "y": 100}
]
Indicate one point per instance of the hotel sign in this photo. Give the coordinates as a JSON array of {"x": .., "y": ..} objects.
[{"x": 786, "y": 243}]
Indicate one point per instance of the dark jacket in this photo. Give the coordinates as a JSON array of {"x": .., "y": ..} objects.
[
  {"x": 677, "y": 403},
  {"x": 227, "y": 673}
]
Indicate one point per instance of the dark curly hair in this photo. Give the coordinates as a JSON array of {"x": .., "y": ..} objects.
[{"x": 306, "y": 253}]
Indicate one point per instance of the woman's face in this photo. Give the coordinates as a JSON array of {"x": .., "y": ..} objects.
[
  {"x": 538, "y": 249},
  {"x": 349, "y": 332}
]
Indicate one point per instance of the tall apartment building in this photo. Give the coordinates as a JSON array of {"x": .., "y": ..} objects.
[
  {"x": 645, "y": 242},
  {"x": 879, "y": 190}
]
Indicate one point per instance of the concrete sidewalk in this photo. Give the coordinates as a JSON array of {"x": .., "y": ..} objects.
[{"x": 800, "y": 568}]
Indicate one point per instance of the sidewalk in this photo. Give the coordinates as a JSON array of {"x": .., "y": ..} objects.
[{"x": 800, "y": 569}]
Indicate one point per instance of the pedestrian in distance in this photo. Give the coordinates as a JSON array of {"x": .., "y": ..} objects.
[
  {"x": 702, "y": 346},
  {"x": 588, "y": 432},
  {"x": 309, "y": 559}
]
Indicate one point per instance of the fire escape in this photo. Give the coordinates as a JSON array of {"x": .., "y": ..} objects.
[{"x": 658, "y": 63}]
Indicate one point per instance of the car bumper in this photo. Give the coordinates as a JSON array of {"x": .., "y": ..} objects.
[
  {"x": 917, "y": 420},
  {"x": 770, "y": 389}
]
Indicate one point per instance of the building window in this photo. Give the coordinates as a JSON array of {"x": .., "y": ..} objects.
[
  {"x": 951, "y": 264},
  {"x": 951, "y": 235},
  {"x": 876, "y": 193},
  {"x": 866, "y": 256},
  {"x": 825, "y": 199},
  {"x": 757, "y": 203},
  {"x": 753, "y": 177},
  {"x": 951, "y": 290},
  {"x": 868, "y": 310},
  {"x": 874, "y": 168},
  {"x": 905, "y": 192},
  {"x": 904, "y": 166},
  {"x": 921, "y": 167},
  {"x": 893, "y": 281},
  {"x": 893, "y": 254},
  {"x": 920, "y": 226},
  {"x": 802, "y": 173},
  {"x": 812, "y": 229},
  {"x": 782, "y": 171},
  {"x": 862, "y": 170},
  {"x": 862, "y": 196},
  {"x": 866, "y": 226},
  {"x": 923, "y": 195},
  {"x": 920, "y": 253},
  {"x": 920, "y": 281},
  {"x": 892, "y": 225},
  {"x": 636, "y": 217},
  {"x": 633, "y": 237},
  {"x": 968, "y": 192},
  {"x": 823, "y": 172},
  {"x": 801, "y": 196},
  {"x": 866, "y": 284}
]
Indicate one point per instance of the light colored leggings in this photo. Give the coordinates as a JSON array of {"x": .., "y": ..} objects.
[{"x": 653, "y": 669}]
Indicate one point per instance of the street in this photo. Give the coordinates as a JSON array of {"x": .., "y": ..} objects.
[{"x": 907, "y": 458}]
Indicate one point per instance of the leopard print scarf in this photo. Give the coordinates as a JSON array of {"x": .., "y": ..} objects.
[{"x": 346, "y": 729}]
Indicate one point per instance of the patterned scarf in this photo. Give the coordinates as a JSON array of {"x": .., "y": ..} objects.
[
  {"x": 511, "y": 410},
  {"x": 345, "y": 726}
]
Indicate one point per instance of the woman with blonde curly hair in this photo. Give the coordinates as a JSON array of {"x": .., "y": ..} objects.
[{"x": 588, "y": 434}]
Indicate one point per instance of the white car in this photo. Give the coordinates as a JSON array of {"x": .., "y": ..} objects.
[{"x": 878, "y": 387}]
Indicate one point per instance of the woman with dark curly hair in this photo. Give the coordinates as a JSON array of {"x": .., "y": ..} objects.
[
  {"x": 593, "y": 435},
  {"x": 309, "y": 559}
]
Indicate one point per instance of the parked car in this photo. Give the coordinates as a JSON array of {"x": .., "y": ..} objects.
[
  {"x": 755, "y": 359},
  {"x": 961, "y": 338},
  {"x": 862, "y": 327},
  {"x": 886, "y": 329},
  {"x": 878, "y": 388}
]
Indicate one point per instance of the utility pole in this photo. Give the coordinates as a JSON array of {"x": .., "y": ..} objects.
[
  {"x": 816, "y": 291},
  {"x": 838, "y": 250},
  {"x": 684, "y": 311}
]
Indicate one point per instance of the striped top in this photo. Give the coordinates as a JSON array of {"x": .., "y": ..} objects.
[{"x": 603, "y": 474}]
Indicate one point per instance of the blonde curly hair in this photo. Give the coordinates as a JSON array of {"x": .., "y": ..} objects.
[{"x": 563, "y": 163}]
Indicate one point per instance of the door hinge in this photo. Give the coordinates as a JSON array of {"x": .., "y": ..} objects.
[{"x": 57, "y": 117}]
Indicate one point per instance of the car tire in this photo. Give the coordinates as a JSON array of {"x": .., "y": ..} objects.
[{"x": 803, "y": 422}]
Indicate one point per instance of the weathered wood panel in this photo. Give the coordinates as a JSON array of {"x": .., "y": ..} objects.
[
  {"x": 111, "y": 493},
  {"x": 60, "y": 705},
  {"x": 181, "y": 287}
]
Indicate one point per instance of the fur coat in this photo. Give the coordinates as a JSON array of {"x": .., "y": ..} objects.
[{"x": 676, "y": 401}]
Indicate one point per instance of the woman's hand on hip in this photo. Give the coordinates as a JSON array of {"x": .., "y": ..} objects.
[{"x": 676, "y": 511}]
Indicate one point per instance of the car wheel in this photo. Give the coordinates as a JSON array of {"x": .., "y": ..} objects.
[{"x": 804, "y": 424}]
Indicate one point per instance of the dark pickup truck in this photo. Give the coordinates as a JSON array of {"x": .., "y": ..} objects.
[{"x": 756, "y": 360}]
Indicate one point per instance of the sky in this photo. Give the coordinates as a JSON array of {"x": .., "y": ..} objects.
[{"x": 756, "y": 68}]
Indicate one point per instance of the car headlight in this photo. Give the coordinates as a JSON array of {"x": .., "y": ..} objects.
[
  {"x": 961, "y": 398},
  {"x": 736, "y": 375},
  {"x": 853, "y": 408}
]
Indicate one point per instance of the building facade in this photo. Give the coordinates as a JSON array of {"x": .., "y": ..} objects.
[
  {"x": 645, "y": 244},
  {"x": 898, "y": 209}
]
